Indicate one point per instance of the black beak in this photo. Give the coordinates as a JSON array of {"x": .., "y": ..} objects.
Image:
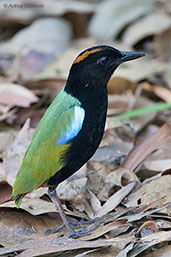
[{"x": 128, "y": 56}]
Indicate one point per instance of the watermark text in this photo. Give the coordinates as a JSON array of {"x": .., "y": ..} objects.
[{"x": 22, "y": 6}]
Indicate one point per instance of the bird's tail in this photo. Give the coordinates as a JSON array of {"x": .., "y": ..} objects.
[{"x": 18, "y": 199}]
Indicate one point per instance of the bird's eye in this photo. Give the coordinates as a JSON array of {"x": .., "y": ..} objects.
[{"x": 103, "y": 61}]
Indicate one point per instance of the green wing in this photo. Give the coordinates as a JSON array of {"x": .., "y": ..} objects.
[{"x": 43, "y": 157}]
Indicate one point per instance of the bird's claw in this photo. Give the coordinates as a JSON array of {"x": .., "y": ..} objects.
[
  {"x": 84, "y": 232},
  {"x": 75, "y": 234}
]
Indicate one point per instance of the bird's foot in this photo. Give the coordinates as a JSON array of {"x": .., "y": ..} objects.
[
  {"x": 75, "y": 234},
  {"x": 71, "y": 232},
  {"x": 84, "y": 232},
  {"x": 72, "y": 223},
  {"x": 76, "y": 225},
  {"x": 54, "y": 230},
  {"x": 81, "y": 223}
]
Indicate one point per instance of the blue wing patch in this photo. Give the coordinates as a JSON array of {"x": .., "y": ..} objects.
[{"x": 74, "y": 127}]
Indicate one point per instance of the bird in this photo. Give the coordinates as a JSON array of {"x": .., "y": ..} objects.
[{"x": 72, "y": 127}]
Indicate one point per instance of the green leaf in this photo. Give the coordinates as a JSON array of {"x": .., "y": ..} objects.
[{"x": 143, "y": 110}]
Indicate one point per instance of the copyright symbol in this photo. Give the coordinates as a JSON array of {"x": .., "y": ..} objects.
[{"x": 5, "y": 5}]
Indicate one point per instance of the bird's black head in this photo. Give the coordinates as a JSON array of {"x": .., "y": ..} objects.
[{"x": 93, "y": 67}]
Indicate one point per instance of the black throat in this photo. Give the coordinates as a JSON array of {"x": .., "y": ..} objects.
[{"x": 91, "y": 92}]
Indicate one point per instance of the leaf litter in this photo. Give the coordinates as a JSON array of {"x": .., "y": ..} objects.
[{"x": 123, "y": 193}]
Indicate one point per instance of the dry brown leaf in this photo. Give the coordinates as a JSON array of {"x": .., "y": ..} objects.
[
  {"x": 127, "y": 103},
  {"x": 161, "y": 139},
  {"x": 13, "y": 156},
  {"x": 118, "y": 103},
  {"x": 157, "y": 189},
  {"x": 110, "y": 19},
  {"x": 6, "y": 138},
  {"x": 59, "y": 67},
  {"x": 19, "y": 227},
  {"x": 50, "y": 244},
  {"x": 149, "y": 25},
  {"x": 72, "y": 190},
  {"x": 17, "y": 95},
  {"x": 167, "y": 76},
  {"x": 149, "y": 241},
  {"x": 97, "y": 173},
  {"x": 8, "y": 114},
  {"x": 2, "y": 172},
  {"x": 118, "y": 177},
  {"x": 5, "y": 192},
  {"x": 150, "y": 225},
  {"x": 158, "y": 237},
  {"x": 35, "y": 206},
  {"x": 160, "y": 160},
  {"x": 115, "y": 227},
  {"x": 127, "y": 71},
  {"x": 102, "y": 252},
  {"x": 94, "y": 201},
  {"x": 115, "y": 200},
  {"x": 164, "y": 251},
  {"x": 161, "y": 92},
  {"x": 119, "y": 85},
  {"x": 162, "y": 44},
  {"x": 124, "y": 252},
  {"x": 31, "y": 113},
  {"x": 141, "y": 69},
  {"x": 56, "y": 83},
  {"x": 138, "y": 213},
  {"x": 118, "y": 230},
  {"x": 113, "y": 147},
  {"x": 161, "y": 223}
]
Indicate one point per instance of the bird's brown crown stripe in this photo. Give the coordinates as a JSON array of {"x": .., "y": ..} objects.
[{"x": 86, "y": 54}]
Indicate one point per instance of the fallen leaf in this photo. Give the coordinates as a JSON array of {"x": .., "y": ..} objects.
[
  {"x": 150, "y": 241},
  {"x": 161, "y": 223},
  {"x": 116, "y": 178},
  {"x": 14, "y": 94},
  {"x": 155, "y": 190},
  {"x": 164, "y": 251},
  {"x": 13, "y": 156},
  {"x": 130, "y": 102},
  {"x": 114, "y": 200},
  {"x": 161, "y": 139},
  {"x": 5, "y": 192},
  {"x": 8, "y": 114},
  {"x": 123, "y": 253},
  {"x": 102, "y": 24},
  {"x": 35, "y": 206},
  {"x": 149, "y": 225},
  {"x": 161, "y": 43},
  {"x": 144, "y": 67},
  {"x": 18, "y": 227},
  {"x": 151, "y": 24},
  {"x": 119, "y": 85},
  {"x": 2, "y": 172},
  {"x": 43, "y": 35},
  {"x": 137, "y": 213},
  {"x": 160, "y": 160},
  {"x": 50, "y": 244},
  {"x": 6, "y": 138},
  {"x": 161, "y": 92},
  {"x": 112, "y": 148},
  {"x": 115, "y": 228},
  {"x": 167, "y": 76}
]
